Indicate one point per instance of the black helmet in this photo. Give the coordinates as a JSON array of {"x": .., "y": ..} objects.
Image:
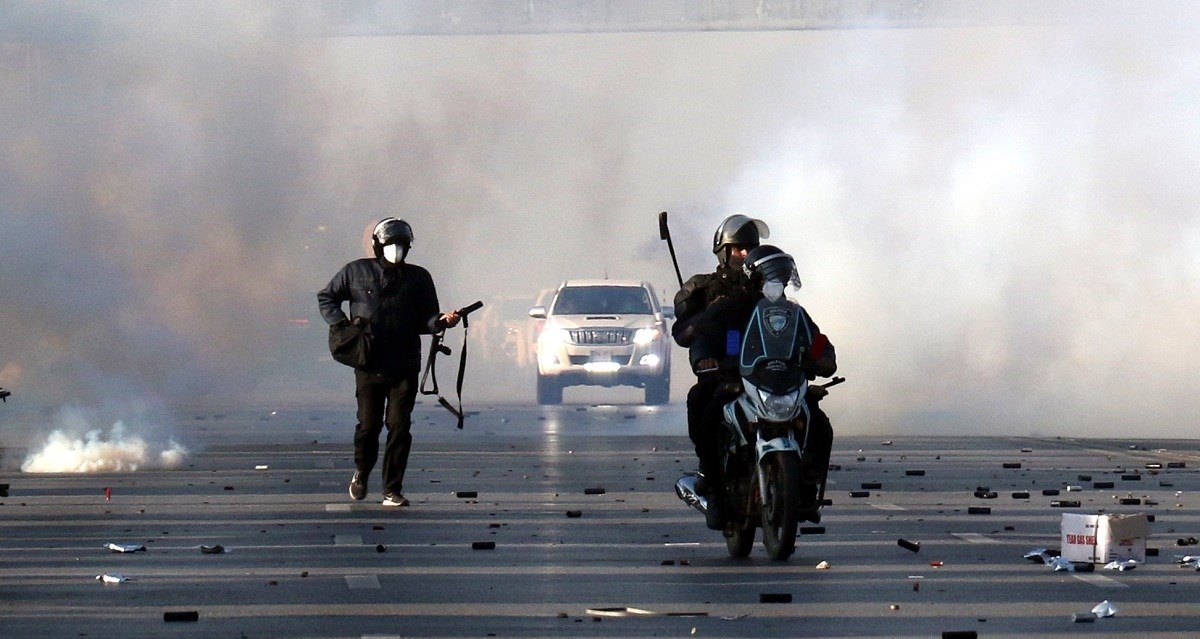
[
  {"x": 391, "y": 230},
  {"x": 740, "y": 230},
  {"x": 767, "y": 263}
]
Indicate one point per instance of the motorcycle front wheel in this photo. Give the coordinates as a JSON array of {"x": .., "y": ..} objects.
[
  {"x": 780, "y": 510},
  {"x": 740, "y": 542}
]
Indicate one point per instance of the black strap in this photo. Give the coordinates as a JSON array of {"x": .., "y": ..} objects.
[{"x": 431, "y": 371}]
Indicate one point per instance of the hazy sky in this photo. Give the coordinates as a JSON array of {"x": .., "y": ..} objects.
[{"x": 995, "y": 225}]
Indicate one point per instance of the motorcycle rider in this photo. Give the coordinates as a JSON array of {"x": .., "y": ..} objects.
[
  {"x": 770, "y": 270},
  {"x": 707, "y": 309}
]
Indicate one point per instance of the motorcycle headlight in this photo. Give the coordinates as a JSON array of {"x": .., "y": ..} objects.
[
  {"x": 778, "y": 408},
  {"x": 644, "y": 336}
]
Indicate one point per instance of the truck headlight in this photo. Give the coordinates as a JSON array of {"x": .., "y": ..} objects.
[
  {"x": 644, "y": 336},
  {"x": 554, "y": 337}
]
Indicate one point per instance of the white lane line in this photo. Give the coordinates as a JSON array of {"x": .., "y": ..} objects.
[
  {"x": 337, "y": 508},
  {"x": 363, "y": 582},
  {"x": 975, "y": 538},
  {"x": 887, "y": 506},
  {"x": 347, "y": 540},
  {"x": 1100, "y": 581}
]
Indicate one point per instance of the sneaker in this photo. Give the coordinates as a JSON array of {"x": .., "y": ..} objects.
[
  {"x": 358, "y": 486},
  {"x": 394, "y": 499}
]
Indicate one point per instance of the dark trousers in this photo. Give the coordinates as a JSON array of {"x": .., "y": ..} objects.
[
  {"x": 384, "y": 399},
  {"x": 702, "y": 429}
]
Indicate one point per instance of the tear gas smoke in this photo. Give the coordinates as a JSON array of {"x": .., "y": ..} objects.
[
  {"x": 995, "y": 224},
  {"x": 78, "y": 447}
]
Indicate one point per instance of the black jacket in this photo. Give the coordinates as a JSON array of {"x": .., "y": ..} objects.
[{"x": 400, "y": 305}]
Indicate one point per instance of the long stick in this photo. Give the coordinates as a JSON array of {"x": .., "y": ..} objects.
[{"x": 665, "y": 233}]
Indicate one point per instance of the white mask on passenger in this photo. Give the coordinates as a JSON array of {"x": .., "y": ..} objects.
[
  {"x": 393, "y": 253},
  {"x": 773, "y": 290}
]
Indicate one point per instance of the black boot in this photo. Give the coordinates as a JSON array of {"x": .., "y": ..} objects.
[{"x": 714, "y": 515}]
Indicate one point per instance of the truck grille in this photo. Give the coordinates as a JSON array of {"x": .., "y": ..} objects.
[{"x": 601, "y": 336}]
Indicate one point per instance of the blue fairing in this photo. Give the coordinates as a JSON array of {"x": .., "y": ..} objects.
[{"x": 777, "y": 336}]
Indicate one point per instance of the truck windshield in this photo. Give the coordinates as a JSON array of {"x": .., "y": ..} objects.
[{"x": 602, "y": 300}]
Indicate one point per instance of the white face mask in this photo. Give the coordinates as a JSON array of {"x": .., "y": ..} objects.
[
  {"x": 773, "y": 290},
  {"x": 393, "y": 253}
]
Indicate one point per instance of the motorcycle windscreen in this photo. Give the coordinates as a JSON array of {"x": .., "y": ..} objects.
[{"x": 775, "y": 339}]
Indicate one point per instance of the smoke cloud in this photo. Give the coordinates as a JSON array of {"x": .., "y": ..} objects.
[{"x": 994, "y": 224}]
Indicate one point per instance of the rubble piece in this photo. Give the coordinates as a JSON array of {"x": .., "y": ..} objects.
[
  {"x": 1011, "y": 465},
  {"x": 1131, "y": 477},
  {"x": 856, "y": 494},
  {"x": 212, "y": 550},
  {"x": 593, "y": 491},
  {"x": 483, "y": 545},
  {"x": 1130, "y": 501},
  {"x": 982, "y": 489},
  {"x": 1083, "y": 617},
  {"x": 775, "y": 597},
  {"x": 107, "y": 492},
  {"x": 959, "y": 634},
  {"x": 1064, "y": 503},
  {"x": 914, "y": 473},
  {"x": 1020, "y": 495},
  {"x": 1153, "y": 466},
  {"x": 112, "y": 578},
  {"x": 1176, "y": 464},
  {"x": 979, "y": 510},
  {"x": 985, "y": 494},
  {"x": 574, "y": 514},
  {"x": 824, "y": 565},
  {"x": 126, "y": 547},
  {"x": 812, "y": 530},
  {"x": 1050, "y": 492},
  {"x": 1085, "y": 478},
  {"x": 181, "y": 615},
  {"x": 871, "y": 485},
  {"x": 1123, "y": 565},
  {"x": 1102, "y": 485},
  {"x": 667, "y": 562},
  {"x": 466, "y": 494},
  {"x": 909, "y": 545},
  {"x": 1074, "y": 489},
  {"x": 261, "y": 467},
  {"x": 937, "y": 563},
  {"x": 1038, "y": 555},
  {"x": 1059, "y": 564},
  {"x": 1084, "y": 566},
  {"x": 1104, "y": 609},
  {"x": 380, "y": 548}
]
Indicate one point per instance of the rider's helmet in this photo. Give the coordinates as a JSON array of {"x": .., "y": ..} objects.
[
  {"x": 771, "y": 268},
  {"x": 394, "y": 232},
  {"x": 739, "y": 230}
]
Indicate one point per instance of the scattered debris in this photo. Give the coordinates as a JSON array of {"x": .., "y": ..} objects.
[
  {"x": 261, "y": 467},
  {"x": 1011, "y": 464},
  {"x": 574, "y": 514},
  {"x": 979, "y": 510},
  {"x": 1083, "y": 617},
  {"x": 467, "y": 494},
  {"x": 824, "y": 565},
  {"x": 212, "y": 550},
  {"x": 126, "y": 547},
  {"x": 112, "y": 578},
  {"x": 182, "y": 615},
  {"x": 914, "y": 473},
  {"x": 856, "y": 494},
  {"x": 775, "y": 597},
  {"x": 908, "y": 545},
  {"x": 872, "y": 485},
  {"x": 483, "y": 545},
  {"x": 1123, "y": 565},
  {"x": 1104, "y": 609},
  {"x": 593, "y": 491}
]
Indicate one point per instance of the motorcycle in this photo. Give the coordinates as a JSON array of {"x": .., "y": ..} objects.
[{"x": 766, "y": 482}]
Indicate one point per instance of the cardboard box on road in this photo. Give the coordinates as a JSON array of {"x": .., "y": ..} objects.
[{"x": 1104, "y": 538}]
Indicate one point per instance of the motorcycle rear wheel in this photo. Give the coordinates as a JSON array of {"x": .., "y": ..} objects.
[{"x": 780, "y": 510}]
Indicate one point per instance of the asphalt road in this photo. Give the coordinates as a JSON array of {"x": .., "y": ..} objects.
[{"x": 302, "y": 560}]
